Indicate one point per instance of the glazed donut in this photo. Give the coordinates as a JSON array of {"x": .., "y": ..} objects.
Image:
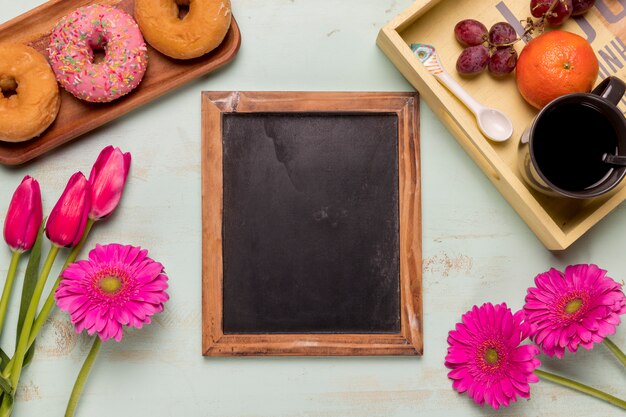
[
  {"x": 36, "y": 101},
  {"x": 96, "y": 27},
  {"x": 199, "y": 32}
]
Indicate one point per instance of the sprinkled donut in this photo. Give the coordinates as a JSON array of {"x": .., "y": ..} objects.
[{"x": 96, "y": 27}]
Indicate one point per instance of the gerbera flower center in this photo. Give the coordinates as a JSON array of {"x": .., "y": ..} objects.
[
  {"x": 573, "y": 306},
  {"x": 491, "y": 356},
  {"x": 110, "y": 284}
]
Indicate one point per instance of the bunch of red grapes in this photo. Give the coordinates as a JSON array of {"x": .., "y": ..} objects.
[
  {"x": 494, "y": 49},
  {"x": 500, "y": 57}
]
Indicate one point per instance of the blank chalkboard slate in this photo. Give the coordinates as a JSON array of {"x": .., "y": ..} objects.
[
  {"x": 306, "y": 202},
  {"x": 310, "y": 226}
]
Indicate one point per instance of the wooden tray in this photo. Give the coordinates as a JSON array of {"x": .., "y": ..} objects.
[
  {"x": 77, "y": 117},
  {"x": 557, "y": 222}
]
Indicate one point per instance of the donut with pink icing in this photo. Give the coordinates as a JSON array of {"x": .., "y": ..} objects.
[{"x": 93, "y": 28}]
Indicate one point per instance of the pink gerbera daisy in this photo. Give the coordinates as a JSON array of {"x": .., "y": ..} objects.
[
  {"x": 486, "y": 357},
  {"x": 579, "y": 307},
  {"x": 117, "y": 286}
]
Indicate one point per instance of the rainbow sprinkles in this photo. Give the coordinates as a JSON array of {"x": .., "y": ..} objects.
[{"x": 92, "y": 28}]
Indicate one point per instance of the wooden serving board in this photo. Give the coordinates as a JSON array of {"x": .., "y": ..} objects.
[
  {"x": 77, "y": 117},
  {"x": 557, "y": 222}
]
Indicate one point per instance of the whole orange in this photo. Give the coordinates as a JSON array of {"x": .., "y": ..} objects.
[{"x": 554, "y": 64}]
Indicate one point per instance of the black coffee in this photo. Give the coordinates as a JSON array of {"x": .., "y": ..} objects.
[{"x": 569, "y": 142}]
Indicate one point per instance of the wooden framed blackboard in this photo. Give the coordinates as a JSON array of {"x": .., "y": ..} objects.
[{"x": 311, "y": 224}]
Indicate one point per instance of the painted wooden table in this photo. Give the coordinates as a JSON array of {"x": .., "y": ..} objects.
[{"x": 476, "y": 249}]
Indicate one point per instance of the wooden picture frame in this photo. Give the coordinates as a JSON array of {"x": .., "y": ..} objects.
[{"x": 409, "y": 340}]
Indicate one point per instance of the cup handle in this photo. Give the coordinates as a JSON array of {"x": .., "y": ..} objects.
[
  {"x": 525, "y": 138},
  {"x": 611, "y": 88},
  {"x": 616, "y": 161}
]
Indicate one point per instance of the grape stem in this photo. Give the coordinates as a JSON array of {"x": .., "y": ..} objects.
[
  {"x": 549, "y": 12},
  {"x": 502, "y": 45},
  {"x": 552, "y": 6},
  {"x": 530, "y": 25}
]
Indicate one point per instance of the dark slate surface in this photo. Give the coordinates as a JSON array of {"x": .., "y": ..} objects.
[{"x": 310, "y": 232}]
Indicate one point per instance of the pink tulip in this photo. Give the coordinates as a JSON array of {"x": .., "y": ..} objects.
[
  {"x": 68, "y": 218},
  {"x": 107, "y": 179},
  {"x": 24, "y": 216}
]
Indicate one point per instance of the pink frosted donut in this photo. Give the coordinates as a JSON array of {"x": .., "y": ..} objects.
[{"x": 96, "y": 27}]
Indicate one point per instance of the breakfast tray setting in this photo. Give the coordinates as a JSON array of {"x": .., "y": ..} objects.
[{"x": 557, "y": 222}]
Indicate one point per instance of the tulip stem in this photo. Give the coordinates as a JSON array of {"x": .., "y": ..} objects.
[
  {"x": 566, "y": 382},
  {"x": 615, "y": 350},
  {"x": 81, "y": 379},
  {"x": 6, "y": 407},
  {"x": 8, "y": 287},
  {"x": 7, "y": 402},
  {"x": 22, "y": 345},
  {"x": 47, "y": 307},
  {"x": 14, "y": 368}
]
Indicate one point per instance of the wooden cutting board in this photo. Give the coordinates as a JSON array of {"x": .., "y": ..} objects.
[{"x": 77, "y": 117}]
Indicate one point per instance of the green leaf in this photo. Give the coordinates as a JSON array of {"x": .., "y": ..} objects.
[
  {"x": 30, "y": 279},
  {"x": 4, "y": 358},
  {"x": 5, "y": 385},
  {"x": 9, "y": 401},
  {"x": 30, "y": 353}
]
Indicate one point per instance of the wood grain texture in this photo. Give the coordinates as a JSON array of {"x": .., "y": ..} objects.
[
  {"x": 409, "y": 340},
  {"x": 557, "y": 222},
  {"x": 77, "y": 117}
]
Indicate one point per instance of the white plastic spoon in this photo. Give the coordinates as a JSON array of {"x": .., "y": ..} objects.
[{"x": 494, "y": 124}]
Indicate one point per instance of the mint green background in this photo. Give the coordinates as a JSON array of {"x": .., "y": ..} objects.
[{"x": 476, "y": 249}]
